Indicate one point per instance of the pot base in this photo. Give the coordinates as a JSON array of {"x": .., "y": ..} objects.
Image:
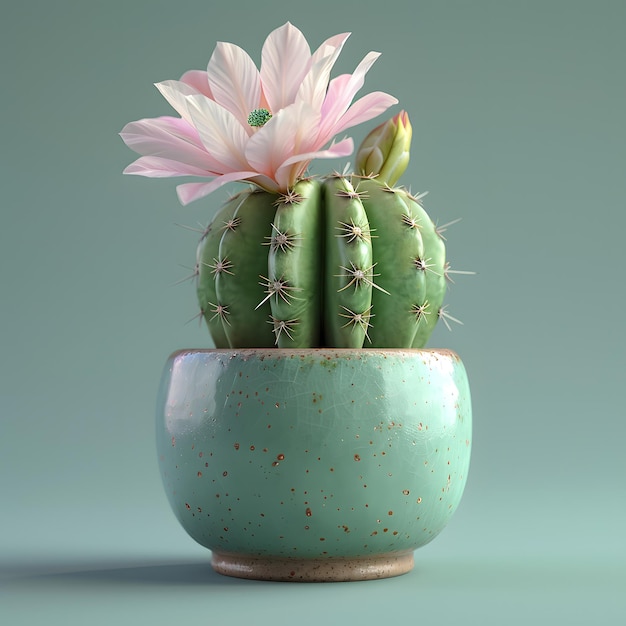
[{"x": 313, "y": 570}]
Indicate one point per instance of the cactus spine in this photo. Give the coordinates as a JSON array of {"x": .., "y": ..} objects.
[{"x": 347, "y": 261}]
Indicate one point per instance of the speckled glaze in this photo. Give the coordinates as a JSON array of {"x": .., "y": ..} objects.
[{"x": 315, "y": 464}]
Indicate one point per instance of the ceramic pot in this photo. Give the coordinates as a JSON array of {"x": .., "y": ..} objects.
[{"x": 315, "y": 464}]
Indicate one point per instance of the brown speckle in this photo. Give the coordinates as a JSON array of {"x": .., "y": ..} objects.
[
  {"x": 236, "y": 446},
  {"x": 281, "y": 457},
  {"x": 357, "y": 457},
  {"x": 173, "y": 441},
  {"x": 308, "y": 512}
]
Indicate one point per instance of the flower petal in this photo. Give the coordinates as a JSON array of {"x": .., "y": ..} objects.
[
  {"x": 234, "y": 80},
  {"x": 315, "y": 84},
  {"x": 335, "y": 97},
  {"x": 364, "y": 109},
  {"x": 341, "y": 91},
  {"x": 175, "y": 92},
  {"x": 199, "y": 81},
  {"x": 188, "y": 192},
  {"x": 159, "y": 167},
  {"x": 169, "y": 137},
  {"x": 285, "y": 60},
  {"x": 329, "y": 46},
  {"x": 220, "y": 132},
  {"x": 293, "y": 167},
  {"x": 358, "y": 77}
]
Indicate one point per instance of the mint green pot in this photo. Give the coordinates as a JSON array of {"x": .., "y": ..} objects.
[{"x": 315, "y": 464}]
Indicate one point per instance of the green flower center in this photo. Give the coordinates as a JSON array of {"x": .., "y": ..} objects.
[{"x": 259, "y": 117}]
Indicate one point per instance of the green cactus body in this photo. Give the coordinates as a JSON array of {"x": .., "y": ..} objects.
[
  {"x": 349, "y": 266},
  {"x": 295, "y": 267},
  {"x": 329, "y": 264},
  {"x": 397, "y": 244},
  {"x": 237, "y": 271},
  {"x": 209, "y": 265},
  {"x": 433, "y": 266},
  {"x": 241, "y": 289}
]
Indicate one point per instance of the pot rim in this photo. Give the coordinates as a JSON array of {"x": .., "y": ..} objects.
[{"x": 337, "y": 352}]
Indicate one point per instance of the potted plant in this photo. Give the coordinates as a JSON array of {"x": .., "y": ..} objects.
[{"x": 319, "y": 440}]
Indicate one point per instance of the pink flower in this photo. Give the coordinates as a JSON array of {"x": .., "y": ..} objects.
[{"x": 241, "y": 124}]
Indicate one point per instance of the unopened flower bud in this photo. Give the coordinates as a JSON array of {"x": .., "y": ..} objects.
[{"x": 385, "y": 151}]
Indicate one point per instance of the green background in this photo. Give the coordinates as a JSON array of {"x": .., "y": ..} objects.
[{"x": 518, "y": 111}]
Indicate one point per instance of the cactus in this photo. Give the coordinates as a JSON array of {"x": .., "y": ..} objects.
[{"x": 345, "y": 261}]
